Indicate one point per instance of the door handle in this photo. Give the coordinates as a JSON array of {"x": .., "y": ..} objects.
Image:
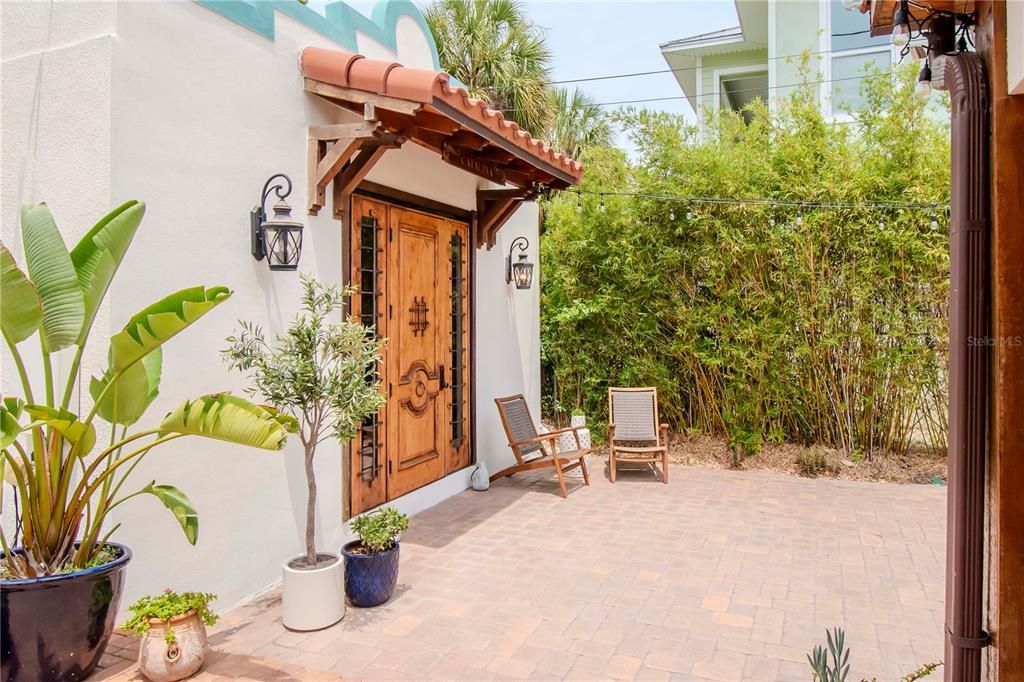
[{"x": 442, "y": 383}]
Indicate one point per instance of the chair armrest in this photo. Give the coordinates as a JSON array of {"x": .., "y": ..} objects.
[
  {"x": 544, "y": 437},
  {"x": 559, "y": 432}
]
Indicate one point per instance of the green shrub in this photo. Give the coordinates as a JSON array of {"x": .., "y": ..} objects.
[
  {"x": 813, "y": 462},
  {"x": 378, "y": 531},
  {"x": 742, "y": 444},
  {"x": 833, "y": 664},
  {"x": 166, "y": 606},
  {"x": 825, "y": 329}
]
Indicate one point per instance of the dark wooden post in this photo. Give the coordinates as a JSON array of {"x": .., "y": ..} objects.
[{"x": 969, "y": 338}]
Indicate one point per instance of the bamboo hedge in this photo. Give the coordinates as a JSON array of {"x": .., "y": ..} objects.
[{"x": 755, "y": 323}]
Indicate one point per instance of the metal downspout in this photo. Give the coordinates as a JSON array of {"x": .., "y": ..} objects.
[{"x": 969, "y": 380}]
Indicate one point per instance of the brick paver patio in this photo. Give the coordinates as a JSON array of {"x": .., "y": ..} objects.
[{"x": 721, "y": 575}]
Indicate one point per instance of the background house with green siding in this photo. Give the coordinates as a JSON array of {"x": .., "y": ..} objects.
[{"x": 760, "y": 58}]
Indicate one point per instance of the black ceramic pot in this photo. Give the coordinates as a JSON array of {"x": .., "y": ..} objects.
[
  {"x": 370, "y": 578},
  {"x": 55, "y": 629}
]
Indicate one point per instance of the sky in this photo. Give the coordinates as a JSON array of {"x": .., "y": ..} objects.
[{"x": 605, "y": 38}]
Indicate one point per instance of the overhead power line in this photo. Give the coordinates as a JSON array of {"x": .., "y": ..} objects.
[
  {"x": 730, "y": 92},
  {"x": 682, "y": 69}
]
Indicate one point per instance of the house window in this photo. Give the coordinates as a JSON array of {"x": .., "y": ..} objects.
[
  {"x": 370, "y": 255},
  {"x": 853, "y": 50}
]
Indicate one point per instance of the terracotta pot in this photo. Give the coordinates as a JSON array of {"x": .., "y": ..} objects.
[
  {"x": 163, "y": 662},
  {"x": 55, "y": 629}
]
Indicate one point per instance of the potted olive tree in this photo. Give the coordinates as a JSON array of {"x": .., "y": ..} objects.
[
  {"x": 172, "y": 629},
  {"x": 324, "y": 374},
  {"x": 60, "y": 589},
  {"x": 371, "y": 562}
]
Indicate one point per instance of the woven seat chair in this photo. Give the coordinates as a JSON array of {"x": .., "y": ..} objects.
[
  {"x": 634, "y": 434},
  {"x": 526, "y": 444}
]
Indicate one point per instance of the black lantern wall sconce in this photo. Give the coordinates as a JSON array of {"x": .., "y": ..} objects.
[
  {"x": 279, "y": 238},
  {"x": 521, "y": 272}
]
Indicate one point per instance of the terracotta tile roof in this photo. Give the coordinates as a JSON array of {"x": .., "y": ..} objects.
[{"x": 348, "y": 70}]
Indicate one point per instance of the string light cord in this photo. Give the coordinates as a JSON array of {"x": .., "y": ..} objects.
[{"x": 765, "y": 201}]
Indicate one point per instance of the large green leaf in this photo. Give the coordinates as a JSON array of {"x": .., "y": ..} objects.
[
  {"x": 154, "y": 326},
  {"x": 223, "y": 416},
  {"x": 81, "y": 435},
  {"x": 133, "y": 391},
  {"x": 10, "y": 410},
  {"x": 51, "y": 270},
  {"x": 20, "y": 310},
  {"x": 100, "y": 252},
  {"x": 180, "y": 506}
]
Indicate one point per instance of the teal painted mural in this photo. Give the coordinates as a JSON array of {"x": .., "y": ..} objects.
[{"x": 339, "y": 22}]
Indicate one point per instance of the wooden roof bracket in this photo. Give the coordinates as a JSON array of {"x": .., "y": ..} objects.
[
  {"x": 330, "y": 155},
  {"x": 494, "y": 207}
]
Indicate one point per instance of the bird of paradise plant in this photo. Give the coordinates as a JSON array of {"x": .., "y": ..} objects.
[{"x": 67, "y": 484}]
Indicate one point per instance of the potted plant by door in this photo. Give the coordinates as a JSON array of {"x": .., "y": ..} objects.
[
  {"x": 324, "y": 374},
  {"x": 172, "y": 628},
  {"x": 371, "y": 562},
  {"x": 61, "y": 577}
]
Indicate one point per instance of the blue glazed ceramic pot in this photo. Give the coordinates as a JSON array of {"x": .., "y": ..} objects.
[
  {"x": 55, "y": 629},
  {"x": 370, "y": 579}
]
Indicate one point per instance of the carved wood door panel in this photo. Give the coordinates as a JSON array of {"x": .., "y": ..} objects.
[
  {"x": 416, "y": 351},
  {"x": 411, "y": 273}
]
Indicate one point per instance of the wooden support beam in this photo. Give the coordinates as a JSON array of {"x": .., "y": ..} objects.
[
  {"x": 499, "y": 221},
  {"x": 334, "y": 92},
  {"x": 494, "y": 208},
  {"x": 436, "y": 123},
  {"x": 468, "y": 140},
  {"x": 337, "y": 131},
  {"x": 496, "y": 155},
  {"x": 352, "y": 174},
  {"x": 325, "y": 163}
]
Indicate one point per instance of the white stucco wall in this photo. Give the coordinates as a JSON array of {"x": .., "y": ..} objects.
[{"x": 180, "y": 107}]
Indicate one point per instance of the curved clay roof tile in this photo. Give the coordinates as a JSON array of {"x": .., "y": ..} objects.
[
  {"x": 371, "y": 75},
  {"x": 349, "y": 70},
  {"x": 416, "y": 84}
]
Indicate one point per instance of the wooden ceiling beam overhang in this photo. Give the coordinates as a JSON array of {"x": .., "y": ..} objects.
[
  {"x": 560, "y": 178},
  {"x": 494, "y": 208},
  {"x": 348, "y": 96}
]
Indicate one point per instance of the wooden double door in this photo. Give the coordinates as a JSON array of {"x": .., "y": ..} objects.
[{"x": 411, "y": 274}]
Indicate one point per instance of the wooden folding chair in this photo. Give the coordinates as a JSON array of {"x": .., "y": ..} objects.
[
  {"x": 526, "y": 444},
  {"x": 633, "y": 427}
]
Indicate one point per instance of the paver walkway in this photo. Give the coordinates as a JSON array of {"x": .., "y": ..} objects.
[{"x": 721, "y": 575}]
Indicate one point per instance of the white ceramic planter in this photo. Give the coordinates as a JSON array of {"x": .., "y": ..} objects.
[
  {"x": 163, "y": 662},
  {"x": 313, "y": 599}
]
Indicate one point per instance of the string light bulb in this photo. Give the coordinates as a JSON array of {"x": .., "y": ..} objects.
[
  {"x": 771, "y": 220},
  {"x": 881, "y": 224},
  {"x": 799, "y": 217},
  {"x": 901, "y": 25},
  {"x": 935, "y": 222},
  {"x": 671, "y": 214},
  {"x": 601, "y": 207},
  {"x": 924, "y": 82},
  {"x": 579, "y": 201},
  {"x": 689, "y": 212}
]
